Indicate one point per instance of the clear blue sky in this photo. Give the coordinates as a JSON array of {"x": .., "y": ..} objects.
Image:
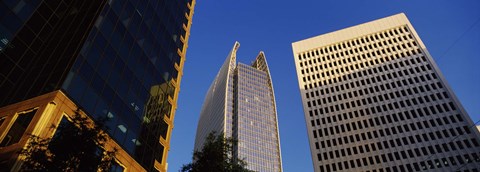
[{"x": 271, "y": 26}]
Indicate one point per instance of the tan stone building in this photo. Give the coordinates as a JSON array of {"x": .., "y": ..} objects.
[
  {"x": 375, "y": 101},
  {"x": 36, "y": 116}
]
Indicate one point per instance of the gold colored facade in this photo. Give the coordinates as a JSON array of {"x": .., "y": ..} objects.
[
  {"x": 49, "y": 110},
  {"x": 163, "y": 166}
]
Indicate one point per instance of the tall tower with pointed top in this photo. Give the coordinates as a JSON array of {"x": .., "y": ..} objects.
[{"x": 240, "y": 103}]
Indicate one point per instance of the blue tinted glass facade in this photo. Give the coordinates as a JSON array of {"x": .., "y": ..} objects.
[
  {"x": 240, "y": 104},
  {"x": 39, "y": 40},
  {"x": 126, "y": 72},
  {"x": 12, "y": 15},
  {"x": 117, "y": 59},
  {"x": 255, "y": 120}
]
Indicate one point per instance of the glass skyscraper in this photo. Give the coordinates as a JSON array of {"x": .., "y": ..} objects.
[
  {"x": 119, "y": 59},
  {"x": 375, "y": 101},
  {"x": 240, "y": 103}
]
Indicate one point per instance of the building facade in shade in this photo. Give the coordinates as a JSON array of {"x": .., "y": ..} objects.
[
  {"x": 240, "y": 103},
  {"x": 117, "y": 59},
  {"x": 374, "y": 100}
]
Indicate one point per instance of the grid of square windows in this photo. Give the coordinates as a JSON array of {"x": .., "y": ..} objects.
[
  {"x": 375, "y": 99},
  {"x": 255, "y": 124}
]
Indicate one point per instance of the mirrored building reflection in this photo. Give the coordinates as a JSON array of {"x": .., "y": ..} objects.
[{"x": 119, "y": 59}]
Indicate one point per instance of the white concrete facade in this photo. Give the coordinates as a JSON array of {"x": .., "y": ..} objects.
[{"x": 374, "y": 100}]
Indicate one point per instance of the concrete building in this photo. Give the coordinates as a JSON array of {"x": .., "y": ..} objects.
[
  {"x": 120, "y": 59},
  {"x": 240, "y": 103},
  {"x": 374, "y": 100}
]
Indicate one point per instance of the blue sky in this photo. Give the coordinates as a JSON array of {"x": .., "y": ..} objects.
[{"x": 449, "y": 29}]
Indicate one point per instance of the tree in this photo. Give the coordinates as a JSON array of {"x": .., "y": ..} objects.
[
  {"x": 77, "y": 145},
  {"x": 216, "y": 156}
]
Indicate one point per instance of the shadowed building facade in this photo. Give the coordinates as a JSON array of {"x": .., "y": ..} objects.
[
  {"x": 240, "y": 103},
  {"x": 374, "y": 100},
  {"x": 122, "y": 60}
]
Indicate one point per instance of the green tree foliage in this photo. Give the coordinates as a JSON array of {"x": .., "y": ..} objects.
[
  {"x": 76, "y": 146},
  {"x": 216, "y": 156}
]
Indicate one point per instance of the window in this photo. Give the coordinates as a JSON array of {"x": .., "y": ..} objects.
[
  {"x": 1, "y": 120},
  {"x": 115, "y": 167},
  {"x": 15, "y": 132}
]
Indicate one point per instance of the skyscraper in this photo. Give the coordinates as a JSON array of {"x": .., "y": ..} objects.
[
  {"x": 240, "y": 103},
  {"x": 374, "y": 100},
  {"x": 117, "y": 59}
]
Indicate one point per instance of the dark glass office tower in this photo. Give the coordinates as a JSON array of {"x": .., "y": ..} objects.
[
  {"x": 120, "y": 59},
  {"x": 39, "y": 42}
]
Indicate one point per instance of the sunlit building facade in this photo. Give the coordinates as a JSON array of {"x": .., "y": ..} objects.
[
  {"x": 240, "y": 103},
  {"x": 119, "y": 59},
  {"x": 375, "y": 101},
  {"x": 37, "y": 116}
]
